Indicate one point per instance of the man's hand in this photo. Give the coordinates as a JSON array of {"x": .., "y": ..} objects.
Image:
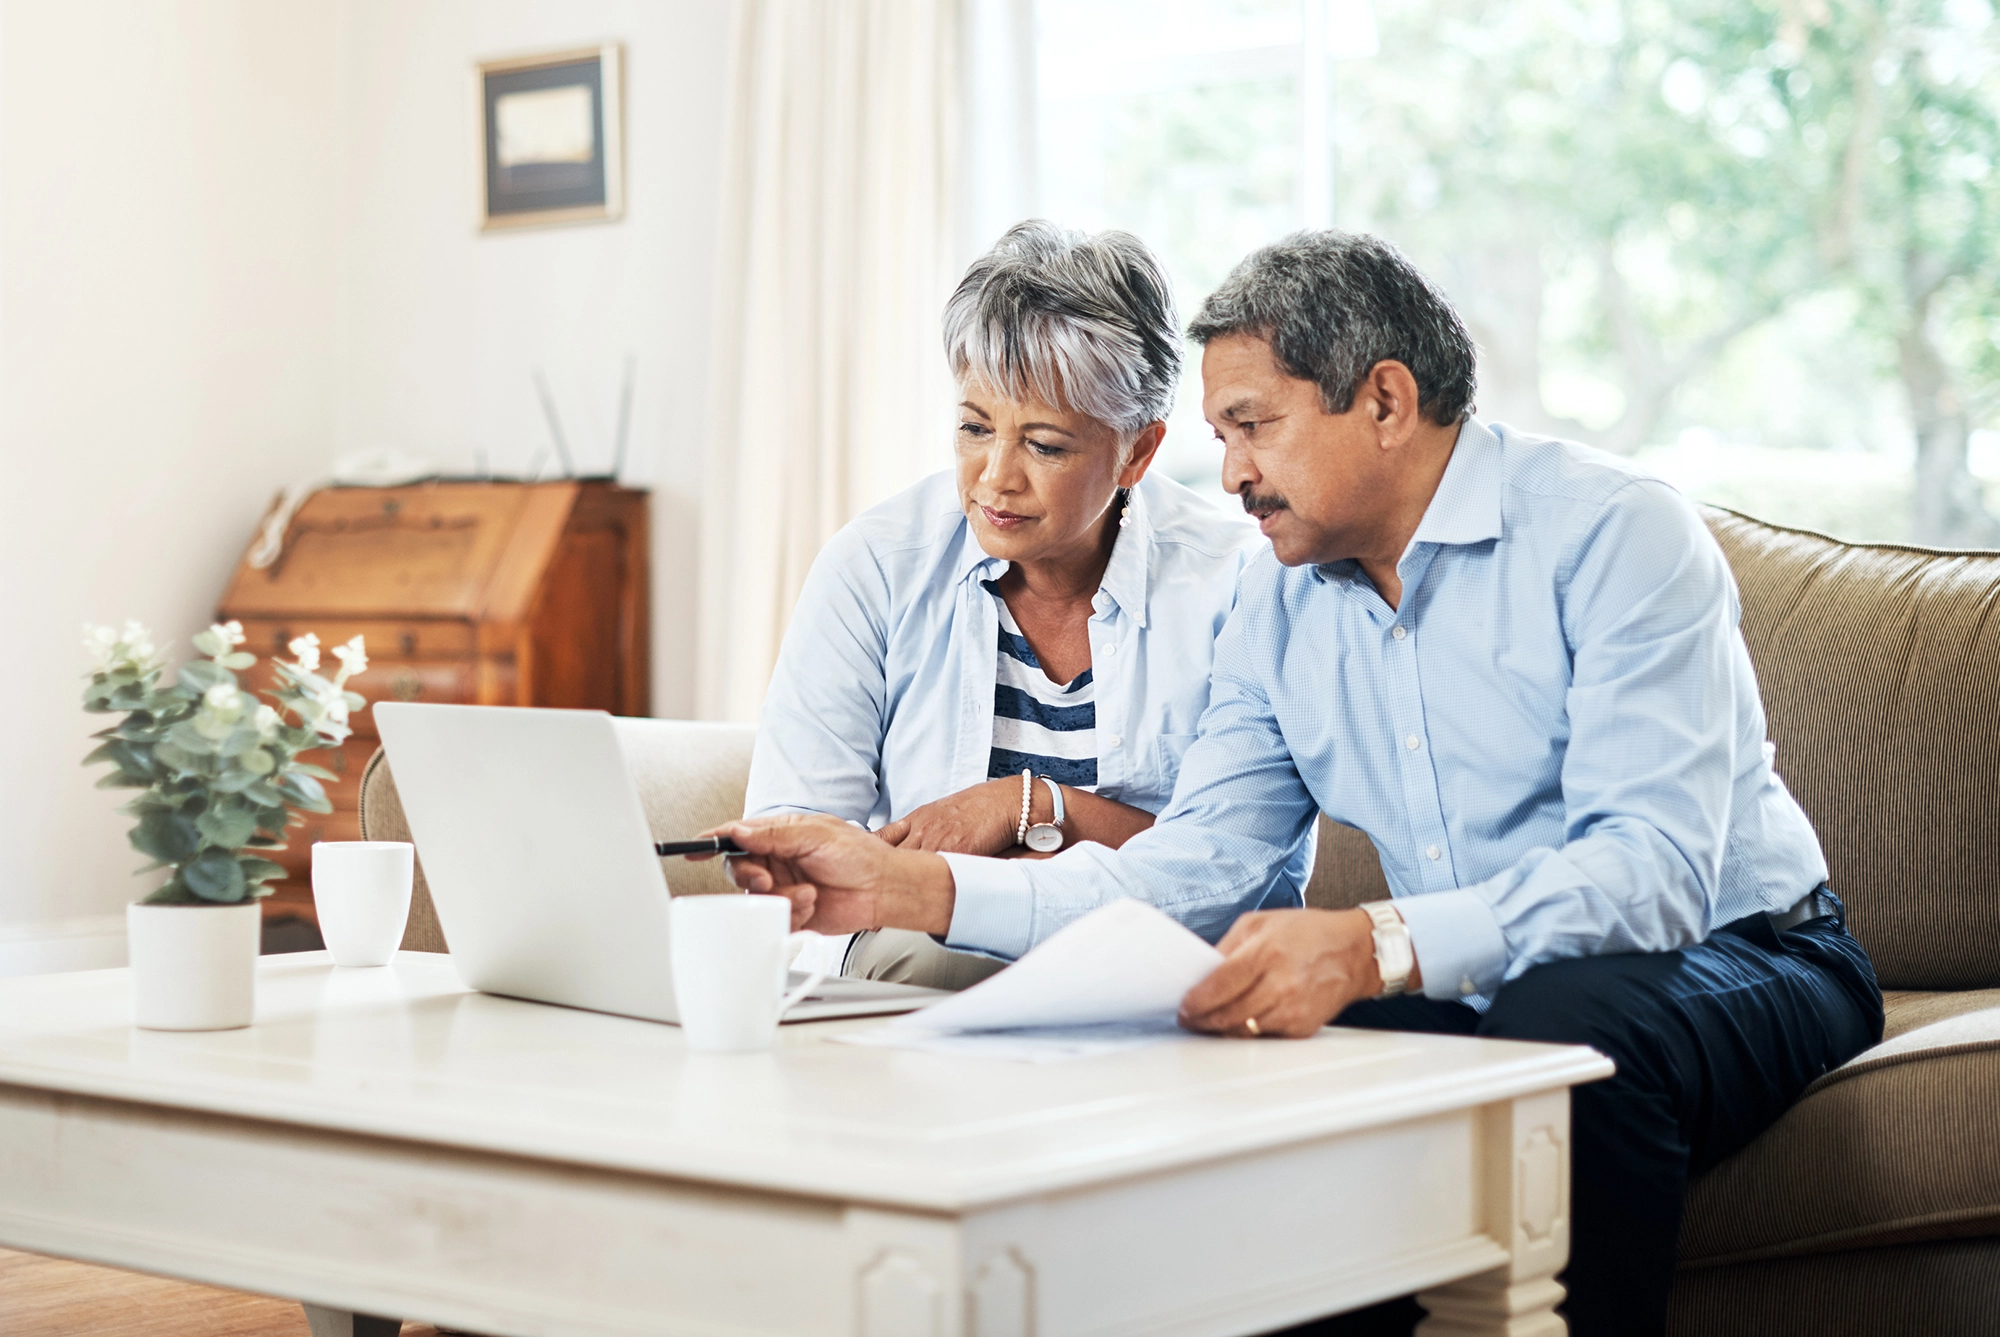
[
  {"x": 1287, "y": 971},
  {"x": 980, "y": 819},
  {"x": 840, "y": 878}
]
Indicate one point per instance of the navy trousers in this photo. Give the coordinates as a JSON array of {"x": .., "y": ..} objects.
[{"x": 1712, "y": 1044}]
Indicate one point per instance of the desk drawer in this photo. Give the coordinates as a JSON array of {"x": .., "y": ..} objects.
[
  {"x": 386, "y": 639},
  {"x": 406, "y": 680}
]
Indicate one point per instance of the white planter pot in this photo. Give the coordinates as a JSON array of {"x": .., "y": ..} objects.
[{"x": 194, "y": 967}]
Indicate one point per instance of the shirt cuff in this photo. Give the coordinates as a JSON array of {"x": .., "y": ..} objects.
[
  {"x": 1457, "y": 941},
  {"x": 992, "y": 907}
]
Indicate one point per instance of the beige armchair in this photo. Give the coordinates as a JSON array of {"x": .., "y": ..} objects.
[{"x": 1873, "y": 1207}]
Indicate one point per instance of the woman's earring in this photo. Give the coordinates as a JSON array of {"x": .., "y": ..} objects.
[{"x": 1124, "y": 509}]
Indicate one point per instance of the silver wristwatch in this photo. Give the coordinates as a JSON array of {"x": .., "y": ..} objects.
[
  {"x": 1394, "y": 957},
  {"x": 1047, "y": 837}
]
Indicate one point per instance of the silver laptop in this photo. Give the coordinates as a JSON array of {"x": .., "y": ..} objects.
[{"x": 541, "y": 865}]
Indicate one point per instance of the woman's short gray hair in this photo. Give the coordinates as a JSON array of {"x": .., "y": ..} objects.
[{"x": 1079, "y": 321}]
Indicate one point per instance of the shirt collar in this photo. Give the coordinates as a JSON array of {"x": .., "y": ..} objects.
[
  {"x": 1464, "y": 509},
  {"x": 1126, "y": 577},
  {"x": 1466, "y": 506}
]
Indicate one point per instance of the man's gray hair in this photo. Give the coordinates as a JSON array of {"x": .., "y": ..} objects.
[
  {"x": 1332, "y": 305},
  {"x": 1076, "y": 321}
]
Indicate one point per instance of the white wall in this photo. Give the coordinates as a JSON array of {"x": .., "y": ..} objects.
[
  {"x": 166, "y": 342},
  {"x": 443, "y": 326},
  {"x": 238, "y": 237}
]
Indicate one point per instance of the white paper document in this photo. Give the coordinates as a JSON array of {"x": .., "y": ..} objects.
[{"x": 1112, "y": 980}]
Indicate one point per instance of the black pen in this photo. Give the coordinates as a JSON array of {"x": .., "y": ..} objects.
[{"x": 706, "y": 845}]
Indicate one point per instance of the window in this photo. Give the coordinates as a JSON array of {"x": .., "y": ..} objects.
[{"x": 1756, "y": 246}]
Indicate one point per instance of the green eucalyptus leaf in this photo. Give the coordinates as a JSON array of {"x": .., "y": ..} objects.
[
  {"x": 228, "y": 826},
  {"x": 239, "y": 660},
  {"x": 120, "y": 780},
  {"x": 175, "y": 892},
  {"x": 257, "y": 869},
  {"x": 241, "y": 738},
  {"x": 166, "y": 836},
  {"x": 264, "y": 794},
  {"x": 192, "y": 736},
  {"x": 209, "y": 643},
  {"x": 258, "y": 761},
  {"x": 173, "y": 757},
  {"x": 200, "y": 675},
  {"x": 215, "y": 876},
  {"x": 317, "y": 772},
  {"x": 301, "y": 790},
  {"x": 234, "y": 779}
]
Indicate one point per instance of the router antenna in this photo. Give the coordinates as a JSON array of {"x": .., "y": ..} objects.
[
  {"x": 624, "y": 420},
  {"x": 555, "y": 423}
]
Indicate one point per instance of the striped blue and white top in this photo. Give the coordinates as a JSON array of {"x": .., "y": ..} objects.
[{"x": 1038, "y": 725}]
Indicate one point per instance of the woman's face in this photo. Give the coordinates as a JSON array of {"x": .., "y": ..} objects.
[{"x": 1036, "y": 480}]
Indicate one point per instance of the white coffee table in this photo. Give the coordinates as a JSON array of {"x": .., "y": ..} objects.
[{"x": 387, "y": 1142}]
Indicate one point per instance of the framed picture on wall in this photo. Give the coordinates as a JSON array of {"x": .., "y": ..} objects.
[{"x": 553, "y": 138}]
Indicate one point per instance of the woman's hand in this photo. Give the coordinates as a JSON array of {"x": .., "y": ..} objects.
[{"x": 980, "y": 820}]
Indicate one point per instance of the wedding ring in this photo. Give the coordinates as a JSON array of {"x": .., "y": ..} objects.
[{"x": 1251, "y": 1026}]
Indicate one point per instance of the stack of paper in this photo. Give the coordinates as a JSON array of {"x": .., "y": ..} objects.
[{"x": 1111, "y": 980}]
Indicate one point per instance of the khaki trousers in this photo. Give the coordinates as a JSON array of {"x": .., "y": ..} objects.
[{"x": 903, "y": 956}]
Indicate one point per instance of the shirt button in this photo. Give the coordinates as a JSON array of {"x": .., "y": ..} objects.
[
  {"x": 1113, "y": 741},
  {"x": 1399, "y": 632},
  {"x": 1413, "y": 742},
  {"x": 1466, "y": 988},
  {"x": 1433, "y": 852}
]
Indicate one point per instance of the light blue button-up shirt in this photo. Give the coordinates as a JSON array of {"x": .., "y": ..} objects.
[
  {"x": 1556, "y": 741},
  {"x": 882, "y": 699}
]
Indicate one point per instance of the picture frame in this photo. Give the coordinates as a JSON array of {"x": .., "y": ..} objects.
[{"x": 552, "y": 138}]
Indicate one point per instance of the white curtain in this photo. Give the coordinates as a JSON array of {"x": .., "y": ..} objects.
[{"x": 837, "y": 256}]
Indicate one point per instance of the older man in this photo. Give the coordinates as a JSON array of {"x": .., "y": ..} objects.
[{"x": 1515, "y": 664}]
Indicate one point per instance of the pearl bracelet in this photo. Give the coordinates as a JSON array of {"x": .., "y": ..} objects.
[{"x": 1027, "y": 801}]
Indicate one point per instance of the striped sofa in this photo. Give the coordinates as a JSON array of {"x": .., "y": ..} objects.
[{"x": 1873, "y": 1207}]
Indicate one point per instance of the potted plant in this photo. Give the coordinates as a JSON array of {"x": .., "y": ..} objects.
[{"x": 221, "y": 781}]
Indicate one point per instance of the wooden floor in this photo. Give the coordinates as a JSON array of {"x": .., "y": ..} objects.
[{"x": 50, "y": 1297}]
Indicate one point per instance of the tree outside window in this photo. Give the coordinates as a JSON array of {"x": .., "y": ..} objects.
[{"x": 1754, "y": 244}]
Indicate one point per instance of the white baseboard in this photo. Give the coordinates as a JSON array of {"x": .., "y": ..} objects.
[{"x": 44, "y": 947}]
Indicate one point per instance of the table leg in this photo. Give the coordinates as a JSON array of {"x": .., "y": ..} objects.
[
  {"x": 1525, "y": 1191},
  {"x": 341, "y": 1323}
]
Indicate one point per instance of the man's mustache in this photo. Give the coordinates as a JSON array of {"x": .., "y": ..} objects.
[{"x": 1257, "y": 505}]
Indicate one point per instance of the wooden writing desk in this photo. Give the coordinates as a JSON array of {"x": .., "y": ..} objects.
[{"x": 387, "y": 1142}]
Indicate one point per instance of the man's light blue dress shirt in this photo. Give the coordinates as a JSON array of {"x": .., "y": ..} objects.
[
  {"x": 1556, "y": 741},
  {"x": 882, "y": 699}
]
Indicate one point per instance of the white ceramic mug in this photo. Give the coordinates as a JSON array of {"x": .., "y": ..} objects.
[
  {"x": 361, "y": 889},
  {"x": 729, "y": 956}
]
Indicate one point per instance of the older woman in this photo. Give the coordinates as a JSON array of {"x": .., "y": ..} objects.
[{"x": 1011, "y": 657}]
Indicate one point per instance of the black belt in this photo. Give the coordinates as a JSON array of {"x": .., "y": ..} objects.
[{"x": 1816, "y": 904}]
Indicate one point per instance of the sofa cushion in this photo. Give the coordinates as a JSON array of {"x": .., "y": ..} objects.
[
  {"x": 1896, "y": 1146},
  {"x": 1879, "y": 667},
  {"x": 1920, "y": 1290}
]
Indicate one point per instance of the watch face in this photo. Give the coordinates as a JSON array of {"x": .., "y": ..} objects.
[{"x": 1044, "y": 838}]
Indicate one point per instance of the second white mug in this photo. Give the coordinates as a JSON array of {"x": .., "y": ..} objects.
[
  {"x": 729, "y": 960},
  {"x": 361, "y": 891}
]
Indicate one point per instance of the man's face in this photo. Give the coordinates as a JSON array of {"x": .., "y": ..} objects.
[{"x": 1308, "y": 476}]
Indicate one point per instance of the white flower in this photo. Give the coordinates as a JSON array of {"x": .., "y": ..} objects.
[
  {"x": 267, "y": 721},
  {"x": 102, "y": 643},
  {"x": 305, "y": 649},
  {"x": 353, "y": 656},
  {"x": 229, "y": 633},
  {"x": 221, "y": 698}
]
